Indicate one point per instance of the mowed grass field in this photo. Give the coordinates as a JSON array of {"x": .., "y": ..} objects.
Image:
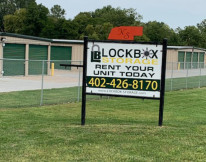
[{"x": 117, "y": 129}]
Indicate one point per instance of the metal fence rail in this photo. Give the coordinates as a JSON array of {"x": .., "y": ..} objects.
[{"x": 40, "y": 82}]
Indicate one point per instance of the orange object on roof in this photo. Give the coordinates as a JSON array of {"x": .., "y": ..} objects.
[{"x": 125, "y": 32}]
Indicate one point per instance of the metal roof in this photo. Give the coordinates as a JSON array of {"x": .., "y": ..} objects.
[
  {"x": 41, "y": 39},
  {"x": 67, "y": 41},
  {"x": 185, "y": 47},
  {"x": 24, "y": 36}
]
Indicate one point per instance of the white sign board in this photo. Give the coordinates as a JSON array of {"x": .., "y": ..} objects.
[{"x": 124, "y": 69}]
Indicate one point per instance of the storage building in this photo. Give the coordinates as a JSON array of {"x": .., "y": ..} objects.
[
  {"x": 185, "y": 57},
  {"x": 34, "y": 49}
]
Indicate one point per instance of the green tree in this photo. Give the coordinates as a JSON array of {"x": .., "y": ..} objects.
[
  {"x": 190, "y": 36},
  {"x": 60, "y": 29},
  {"x": 89, "y": 30},
  {"x": 202, "y": 28},
  {"x": 8, "y": 7},
  {"x": 157, "y": 31},
  {"x": 82, "y": 20},
  {"x": 142, "y": 38},
  {"x": 71, "y": 29},
  {"x": 99, "y": 23},
  {"x": 98, "y": 32},
  {"x": 174, "y": 39},
  {"x": 49, "y": 30},
  {"x": 15, "y": 23},
  {"x": 57, "y": 12},
  {"x": 36, "y": 19},
  {"x": 116, "y": 16},
  {"x": 30, "y": 21},
  {"x": 105, "y": 30}
]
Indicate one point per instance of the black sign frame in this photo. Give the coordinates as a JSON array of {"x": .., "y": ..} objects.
[{"x": 162, "y": 81}]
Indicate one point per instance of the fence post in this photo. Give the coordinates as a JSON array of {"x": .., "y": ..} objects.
[
  {"x": 1, "y": 59},
  {"x": 1, "y": 67},
  {"x": 172, "y": 77},
  {"x": 42, "y": 84},
  {"x": 200, "y": 77},
  {"x": 187, "y": 76},
  {"x": 78, "y": 97}
]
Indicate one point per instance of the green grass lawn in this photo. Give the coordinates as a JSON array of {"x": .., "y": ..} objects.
[
  {"x": 33, "y": 97},
  {"x": 117, "y": 129}
]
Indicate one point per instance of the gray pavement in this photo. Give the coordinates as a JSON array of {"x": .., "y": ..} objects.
[
  {"x": 61, "y": 79},
  {"x": 185, "y": 73}
]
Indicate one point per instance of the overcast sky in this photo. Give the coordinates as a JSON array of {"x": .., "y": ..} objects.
[{"x": 175, "y": 13}]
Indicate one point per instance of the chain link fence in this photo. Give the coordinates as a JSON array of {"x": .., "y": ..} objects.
[
  {"x": 35, "y": 82},
  {"x": 38, "y": 82},
  {"x": 184, "y": 75}
]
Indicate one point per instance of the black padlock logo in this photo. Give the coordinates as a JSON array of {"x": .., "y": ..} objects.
[{"x": 95, "y": 55}]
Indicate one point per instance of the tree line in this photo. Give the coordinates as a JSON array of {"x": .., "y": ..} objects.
[{"x": 29, "y": 18}]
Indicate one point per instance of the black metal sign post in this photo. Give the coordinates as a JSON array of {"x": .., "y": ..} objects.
[
  {"x": 163, "y": 74},
  {"x": 84, "y": 81},
  {"x": 84, "y": 66}
]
